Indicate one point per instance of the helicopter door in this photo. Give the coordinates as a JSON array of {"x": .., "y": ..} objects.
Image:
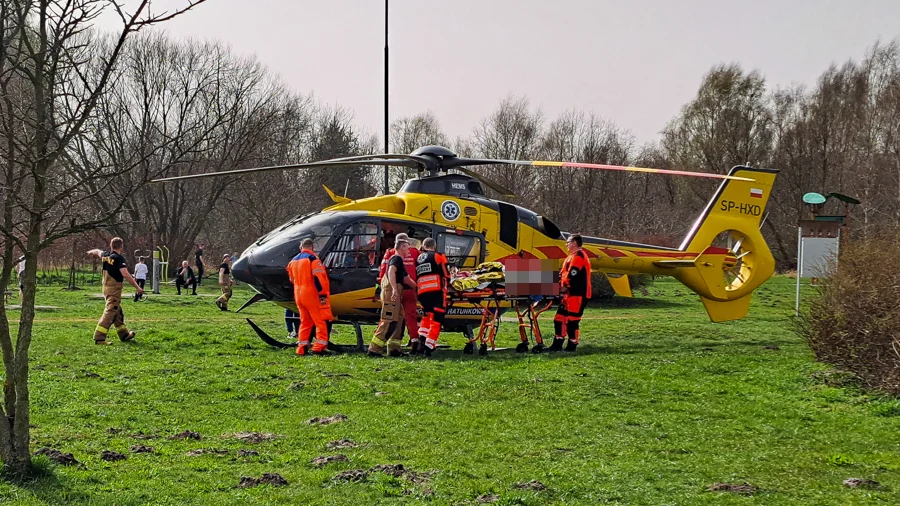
[
  {"x": 464, "y": 251},
  {"x": 417, "y": 233},
  {"x": 352, "y": 260}
]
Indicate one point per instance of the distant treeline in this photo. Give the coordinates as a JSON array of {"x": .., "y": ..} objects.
[{"x": 185, "y": 107}]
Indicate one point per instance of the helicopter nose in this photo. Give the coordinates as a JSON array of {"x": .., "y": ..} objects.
[{"x": 241, "y": 270}]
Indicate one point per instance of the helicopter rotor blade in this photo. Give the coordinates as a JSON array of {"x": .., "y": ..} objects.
[
  {"x": 355, "y": 161},
  {"x": 599, "y": 166},
  {"x": 487, "y": 182}
]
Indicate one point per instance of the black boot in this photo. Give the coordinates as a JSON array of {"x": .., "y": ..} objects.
[
  {"x": 570, "y": 346},
  {"x": 557, "y": 345},
  {"x": 428, "y": 351}
]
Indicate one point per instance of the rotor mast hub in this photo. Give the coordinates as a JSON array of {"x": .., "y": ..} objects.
[{"x": 436, "y": 155}]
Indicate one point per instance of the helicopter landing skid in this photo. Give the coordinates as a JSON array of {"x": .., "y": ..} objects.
[
  {"x": 275, "y": 343},
  {"x": 271, "y": 341}
]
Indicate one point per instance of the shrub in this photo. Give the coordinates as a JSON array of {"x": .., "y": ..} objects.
[{"x": 854, "y": 320}]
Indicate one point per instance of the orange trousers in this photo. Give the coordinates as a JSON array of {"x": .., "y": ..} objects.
[{"x": 311, "y": 315}]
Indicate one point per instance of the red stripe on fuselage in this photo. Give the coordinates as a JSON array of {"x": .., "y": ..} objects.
[
  {"x": 665, "y": 254},
  {"x": 554, "y": 252}
]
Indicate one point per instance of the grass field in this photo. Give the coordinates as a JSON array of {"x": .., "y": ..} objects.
[{"x": 657, "y": 405}]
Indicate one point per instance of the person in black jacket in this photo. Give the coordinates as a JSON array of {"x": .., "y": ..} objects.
[
  {"x": 198, "y": 257},
  {"x": 184, "y": 276}
]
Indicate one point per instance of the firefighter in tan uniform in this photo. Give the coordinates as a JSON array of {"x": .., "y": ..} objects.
[
  {"x": 225, "y": 283},
  {"x": 115, "y": 271},
  {"x": 390, "y": 328}
]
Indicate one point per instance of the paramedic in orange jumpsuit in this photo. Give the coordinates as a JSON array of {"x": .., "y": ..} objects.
[
  {"x": 434, "y": 277},
  {"x": 407, "y": 297},
  {"x": 575, "y": 286},
  {"x": 311, "y": 294}
]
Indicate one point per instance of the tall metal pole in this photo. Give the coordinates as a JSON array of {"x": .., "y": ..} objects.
[
  {"x": 386, "y": 125},
  {"x": 799, "y": 266}
]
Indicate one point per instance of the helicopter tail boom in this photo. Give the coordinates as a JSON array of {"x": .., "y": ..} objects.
[{"x": 735, "y": 259}]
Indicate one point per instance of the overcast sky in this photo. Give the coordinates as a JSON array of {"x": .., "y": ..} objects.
[{"x": 633, "y": 62}]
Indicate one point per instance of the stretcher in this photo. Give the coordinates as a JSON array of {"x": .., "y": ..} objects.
[{"x": 490, "y": 300}]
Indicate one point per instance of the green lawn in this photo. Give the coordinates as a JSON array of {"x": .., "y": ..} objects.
[{"x": 657, "y": 405}]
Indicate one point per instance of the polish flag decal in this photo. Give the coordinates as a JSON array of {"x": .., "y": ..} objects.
[{"x": 756, "y": 192}]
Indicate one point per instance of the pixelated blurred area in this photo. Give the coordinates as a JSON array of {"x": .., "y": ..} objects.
[{"x": 531, "y": 276}]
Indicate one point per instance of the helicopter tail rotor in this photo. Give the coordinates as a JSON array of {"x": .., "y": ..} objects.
[{"x": 734, "y": 259}]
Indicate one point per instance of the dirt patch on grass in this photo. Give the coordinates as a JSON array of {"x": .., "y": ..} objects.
[
  {"x": 861, "y": 483},
  {"x": 322, "y": 461},
  {"x": 247, "y": 453},
  {"x": 111, "y": 456},
  {"x": 398, "y": 471},
  {"x": 336, "y": 375},
  {"x": 141, "y": 435},
  {"x": 340, "y": 444},
  {"x": 354, "y": 475},
  {"x": 532, "y": 485},
  {"x": 487, "y": 499},
  {"x": 252, "y": 437},
  {"x": 735, "y": 488},
  {"x": 65, "y": 459},
  {"x": 273, "y": 479},
  {"x": 187, "y": 435},
  {"x": 328, "y": 420},
  {"x": 143, "y": 449},
  {"x": 395, "y": 470},
  {"x": 207, "y": 451}
]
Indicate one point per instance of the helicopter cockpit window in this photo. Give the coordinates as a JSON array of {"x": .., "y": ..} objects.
[
  {"x": 320, "y": 234},
  {"x": 354, "y": 248},
  {"x": 462, "y": 251}
]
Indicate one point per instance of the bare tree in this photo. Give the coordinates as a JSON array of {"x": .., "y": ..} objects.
[
  {"x": 51, "y": 86},
  {"x": 726, "y": 124},
  {"x": 512, "y": 132},
  {"x": 409, "y": 134},
  {"x": 184, "y": 108},
  {"x": 587, "y": 200},
  {"x": 333, "y": 136}
]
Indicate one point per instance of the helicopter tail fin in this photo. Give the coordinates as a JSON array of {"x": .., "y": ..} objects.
[
  {"x": 733, "y": 257},
  {"x": 335, "y": 197}
]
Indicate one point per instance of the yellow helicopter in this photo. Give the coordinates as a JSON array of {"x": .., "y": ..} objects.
[{"x": 351, "y": 237}]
